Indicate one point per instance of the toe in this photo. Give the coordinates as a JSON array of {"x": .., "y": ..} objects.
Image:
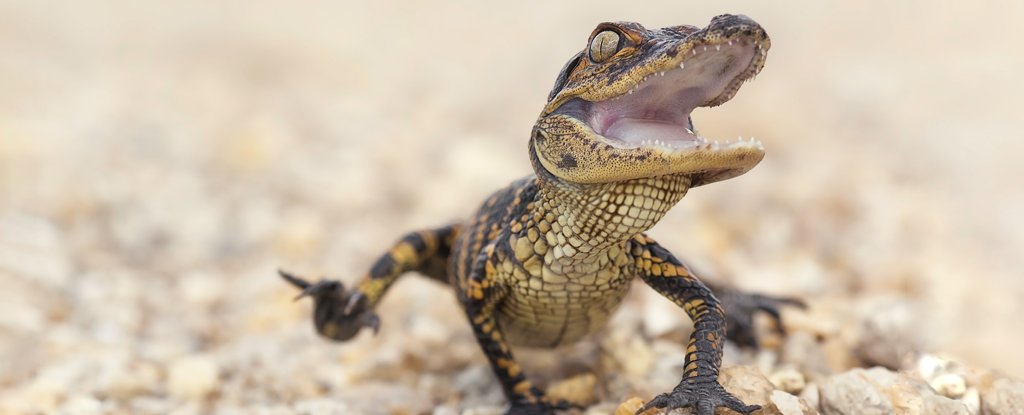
[{"x": 291, "y": 278}]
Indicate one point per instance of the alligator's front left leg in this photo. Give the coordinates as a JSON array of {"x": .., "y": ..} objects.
[
  {"x": 699, "y": 387},
  {"x": 741, "y": 306}
]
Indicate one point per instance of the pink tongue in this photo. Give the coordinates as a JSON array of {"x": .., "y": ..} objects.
[{"x": 636, "y": 130}]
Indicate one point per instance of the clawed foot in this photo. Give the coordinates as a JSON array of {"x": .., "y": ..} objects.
[
  {"x": 337, "y": 314},
  {"x": 704, "y": 397},
  {"x": 740, "y": 308}
]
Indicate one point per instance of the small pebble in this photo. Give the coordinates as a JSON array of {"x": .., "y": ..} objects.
[
  {"x": 445, "y": 410},
  {"x": 81, "y": 405},
  {"x": 949, "y": 385},
  {"x": 322, "y": 407},
  {"x": 789, "y": 380},
  {"x": 972, "y": 400},
  {"x": 631, "y": 405},
  {"x": 192, "y": 377},
  {"x": 578, "y": 389},
  {"x": 746, "y": 383},
  {"x": 852, "y": 393},
  {"x": 783, "y": 403}
]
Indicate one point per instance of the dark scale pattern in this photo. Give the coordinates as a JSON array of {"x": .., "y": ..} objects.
[{"x": 571, "y": 266}]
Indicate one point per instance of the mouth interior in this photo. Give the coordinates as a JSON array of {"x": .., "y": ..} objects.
[{"x": 657, "y": 111}]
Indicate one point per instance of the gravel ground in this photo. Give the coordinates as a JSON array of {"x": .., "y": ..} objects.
[{"x": 158, "y": 163}]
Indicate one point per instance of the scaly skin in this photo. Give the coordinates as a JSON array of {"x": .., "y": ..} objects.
[{"x": 547, "y": 260}]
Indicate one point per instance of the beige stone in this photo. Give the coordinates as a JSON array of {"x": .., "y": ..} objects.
[{"x": 192, "y": 377}]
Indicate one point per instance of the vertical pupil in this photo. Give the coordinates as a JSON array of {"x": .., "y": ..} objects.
[{"x": 605, "y": 45}]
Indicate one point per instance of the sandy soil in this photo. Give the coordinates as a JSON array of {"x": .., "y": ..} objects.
[{"x": 158, "y": 162}]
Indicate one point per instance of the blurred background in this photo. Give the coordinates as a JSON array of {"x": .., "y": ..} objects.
[{"x": 160, "y": 160}]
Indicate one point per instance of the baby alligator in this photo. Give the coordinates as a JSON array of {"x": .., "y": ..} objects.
[{"x": 546, "y": 260}]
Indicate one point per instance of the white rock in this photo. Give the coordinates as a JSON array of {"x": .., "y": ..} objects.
[
  {"x": 852, "y": 393},
  {"x": 201, "y": 288},
  {"x": 445, "y": 410},
  {"x": 789, "y": 380},
  {"x": 81, "y": 405},
  {"x": 323, "y": 407},
  {"x": 972, "y": 400},
  {"x": 192, "y": 377},
  {"x": 33, "y": 248},
  {"x": 949, "y": 385},
  {"x": 787, "y": 404}
]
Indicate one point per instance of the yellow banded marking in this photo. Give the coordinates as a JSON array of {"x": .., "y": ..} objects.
[
  {"x": 404, "y": 253},
  {"x": 510, "y": 367},
  {"x": 522, "y": 388}
]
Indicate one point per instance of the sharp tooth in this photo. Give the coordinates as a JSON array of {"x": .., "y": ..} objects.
[
  {"x": 730, "y": 42},
  {"x": 705, "y": 48},
  {"x": 662, "y": 73},
  {"x": 689, "y": 131},
  {"x": 682, "y": 65},
  {"x": 718, "y": 47}
]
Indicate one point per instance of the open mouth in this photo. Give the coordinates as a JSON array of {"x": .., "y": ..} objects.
[{"x": 656, "y": 111}]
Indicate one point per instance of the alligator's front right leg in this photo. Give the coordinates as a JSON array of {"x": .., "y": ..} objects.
[
  {"x": 480, "y": 293},
  {"x": 339, "y": 313}
]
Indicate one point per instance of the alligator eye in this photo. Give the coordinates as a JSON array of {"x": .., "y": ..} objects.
[{"x": 604, "y": 45}]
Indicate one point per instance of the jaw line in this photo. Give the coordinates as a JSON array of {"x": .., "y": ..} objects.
[{"x": 709, "y": 163}]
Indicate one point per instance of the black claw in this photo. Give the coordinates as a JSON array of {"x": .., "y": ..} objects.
[
  {"x": 296, "y": 281},
  {"x": 373, "y": 322},
  {"x": 353, "y": 301},
  {"x": 320, "y": 287},
  {"x": 737, "y": 405},
  {"x": 740, "y": 309}
]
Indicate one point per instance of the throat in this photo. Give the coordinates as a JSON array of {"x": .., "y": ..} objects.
[{"x": 588, "y": 220}]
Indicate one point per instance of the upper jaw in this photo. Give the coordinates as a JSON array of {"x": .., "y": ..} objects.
[{"x": 654, "y": 110}]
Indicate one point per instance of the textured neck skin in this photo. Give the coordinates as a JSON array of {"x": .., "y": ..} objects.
[
  {"x": 589, "y": 218},
  {"x": 582, "y": 222}
]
